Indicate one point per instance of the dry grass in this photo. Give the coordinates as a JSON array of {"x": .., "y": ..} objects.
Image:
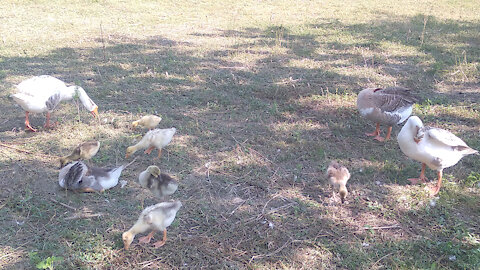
[{"x": 263, "y": 97}]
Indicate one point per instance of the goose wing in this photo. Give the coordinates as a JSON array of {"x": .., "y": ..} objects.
[
  {"x": 393, "y": 98},
  {"x": 445, "y": 137},
  {"x": 163, "y": 212},
  {"x": 41, "y": 86},
  {"x": 53, "y": 101},
  {"x": 75, "y": 174}
]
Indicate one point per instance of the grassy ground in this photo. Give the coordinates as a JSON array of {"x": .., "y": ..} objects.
[{"x": 262, "y": 94}]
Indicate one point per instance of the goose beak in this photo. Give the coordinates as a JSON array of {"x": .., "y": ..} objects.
[{"x": 94, "y": 112}]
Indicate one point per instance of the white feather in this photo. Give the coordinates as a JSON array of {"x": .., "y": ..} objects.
[{"x": 431, "y": 150}]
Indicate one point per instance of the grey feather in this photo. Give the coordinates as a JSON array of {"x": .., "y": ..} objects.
[
  {"x": 394, "y": 98},
  {"x": 74, "y": 175},
  {"x": 53, "y": 101}
]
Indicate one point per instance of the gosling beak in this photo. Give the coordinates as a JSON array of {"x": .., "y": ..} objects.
[
  {"x": 94, "y": 112},
  {"x": 126, "y": 245},
  {"x": 127, "y": 155}
]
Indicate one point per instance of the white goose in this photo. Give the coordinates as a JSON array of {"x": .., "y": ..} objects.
[
  {"x": 43, "y": 93},
  {"x": 433, "y": 147},
  {"x": 389, "y": 106}
]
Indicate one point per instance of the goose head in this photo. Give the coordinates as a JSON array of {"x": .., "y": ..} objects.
[
  {"x": 85, "y": 99},
  {"x": 413, "y": 125},
  {"x": 365, "y": 98}
]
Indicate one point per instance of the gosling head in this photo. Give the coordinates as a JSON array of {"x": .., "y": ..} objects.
[
  {"x": 63, "y": 161},
  {"x": 130, "y": 150},
  {"x": 153, "y": 170},
  {"x": 127, "y": 238},
  {"x": 343, "y": 193},
  {"x": 135, "y": 123}
]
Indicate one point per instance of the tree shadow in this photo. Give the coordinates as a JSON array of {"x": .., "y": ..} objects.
[
  {"x": 262, "y": 133},
  {"x": 446, "y": 45}
]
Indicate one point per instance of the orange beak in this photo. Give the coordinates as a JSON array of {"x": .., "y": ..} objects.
[
  {"x": 126, "y": 155},
  {"x": 94, "y": 112}
]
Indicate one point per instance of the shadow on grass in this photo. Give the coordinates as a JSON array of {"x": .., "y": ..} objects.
[
  {"x": 445, "y": 52},
  {"x": 263, "y": 134}
]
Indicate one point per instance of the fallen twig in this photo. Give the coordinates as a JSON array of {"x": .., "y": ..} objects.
[
  {"x": 126, "y": 165},
  {"x": 394, "y": 226},
  {"x": 232, "y": 67},
  {"x": 381, "y": 259},
  {"x": 271, "y": 253},
  {"x": 62, "y": 204},
  {"x": 83, "y": 215},
  {"x": 259, "y": 216},
  {"x": 150, "y": 262},
  {"x": 233, "y": 212},
  {"x": 28, "y": 152}
]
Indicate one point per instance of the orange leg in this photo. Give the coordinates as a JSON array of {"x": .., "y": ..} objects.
[
  {"x": 149, "y": 150},
  {"x": 159, "y": 152},
  {"x": 87, "y": 189},
  {"x": 422, "y": 177},
  {"x": 434, "y": 190},
  {"x": 161, "y": 243},
  {"x": 47, "y": 123},
  {"x": 376, "y": 132},
  {"x": 389, "y": 132},
  {"x": 146, "y": 239},
  {"x": 27, "y": 123}
]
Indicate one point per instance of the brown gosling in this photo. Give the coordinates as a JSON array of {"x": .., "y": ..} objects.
[
  {"x": 338, "y": 176},
  {"x": 83, "y": 151},
  {"x": 160, "y": 184}
]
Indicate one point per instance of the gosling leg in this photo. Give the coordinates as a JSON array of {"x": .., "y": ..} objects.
[
  {"x": 161, "y": 243},
  {"x": 146, "y": 239}
]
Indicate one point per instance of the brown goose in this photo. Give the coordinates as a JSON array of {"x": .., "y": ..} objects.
[
  {"x": 338, "y": 176},
  {"x": 155, "y": 218},
  {"x": 83, "y": 151},
  {"x": 389, "y": 106}
]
